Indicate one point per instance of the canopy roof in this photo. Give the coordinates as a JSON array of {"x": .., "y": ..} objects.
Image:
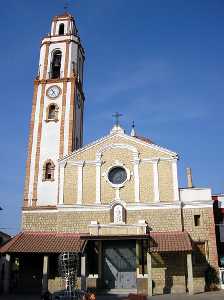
[
  {"x": 43, "y": 242},
  {"x": 51, "y": 242},
  {"x": 171, "y": 241}
]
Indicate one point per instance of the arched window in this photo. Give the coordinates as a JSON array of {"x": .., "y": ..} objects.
[
  {"x": 56, "y": 64},
  {"x": 48, "y": 170},
  {"x": 61, "y": 30},
  {"x": 52, "y": 112},
  {"x": 118, "y": 214}
]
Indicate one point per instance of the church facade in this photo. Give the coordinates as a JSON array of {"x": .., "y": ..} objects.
[{"x": 115, "y": 201}]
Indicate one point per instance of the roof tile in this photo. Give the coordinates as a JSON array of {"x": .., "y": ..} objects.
[{"x": 45, "y": 242}]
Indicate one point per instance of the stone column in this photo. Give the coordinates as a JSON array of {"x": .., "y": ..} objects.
[
  {"x": 190, "y": 283},
  {"x": 45, "y": 274},
  {"x": 6, "y": 281},
  {"x": 100, "y": 257},
  {"x": 156, "y": 180},
  {"x": 98, "y": 181},
  {"x": 83, "y": 272},
  {"x": 175, "y": 180},
  {"x": 138, "y": 245},
  {"x": 80, "y": 182},
  {"x": 136, "y": 178},
  {"x": 149, "y": 269},
  {"x": 61, "y": 182}
]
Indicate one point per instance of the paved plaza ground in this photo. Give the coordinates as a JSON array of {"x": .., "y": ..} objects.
[{"x": 204, "y": 296}]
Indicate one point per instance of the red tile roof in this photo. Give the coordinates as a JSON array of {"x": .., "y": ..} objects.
[
  {"x": 169, "y": 241},
  {"x": 48, "y": 242},
  {"x": 43, "y": 242}
]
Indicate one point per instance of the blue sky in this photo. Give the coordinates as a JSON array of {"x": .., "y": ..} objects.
[{"x": 158, "y": 62}]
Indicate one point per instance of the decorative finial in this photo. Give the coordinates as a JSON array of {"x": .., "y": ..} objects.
[
  {"x": 117, "y": 115},
  {"x": 133, "y": 128}
]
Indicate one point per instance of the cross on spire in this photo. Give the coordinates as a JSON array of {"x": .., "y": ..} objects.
[
  {"x": 117, "y": 115},
  {"x": 66, "y": 6}
]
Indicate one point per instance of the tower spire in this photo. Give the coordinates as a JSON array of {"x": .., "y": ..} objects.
[{"x": 133, "y": 128}]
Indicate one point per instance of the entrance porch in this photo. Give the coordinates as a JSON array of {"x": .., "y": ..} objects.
[{"x": 155, "y": 263}]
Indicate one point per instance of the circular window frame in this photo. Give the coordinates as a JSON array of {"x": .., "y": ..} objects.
[
  {"x": 58, "y": 87},
  {"x": 119, "y": 185}
]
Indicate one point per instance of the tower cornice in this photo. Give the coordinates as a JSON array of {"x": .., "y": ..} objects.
[{"x": 48, "y": 41}]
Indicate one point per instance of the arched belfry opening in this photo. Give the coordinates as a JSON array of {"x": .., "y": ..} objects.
[
  {"x": 61, "y": 30},
  {"x": 48, "y": 170},
  {"x": 56, "y": 64},
  {"x": 52, "y": 112}
]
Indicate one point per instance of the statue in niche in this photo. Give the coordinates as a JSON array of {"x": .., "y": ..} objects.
[{"x": 118, "y": 214}]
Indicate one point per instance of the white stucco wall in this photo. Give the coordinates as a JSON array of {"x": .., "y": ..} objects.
[{"x": 195, "y": 194}]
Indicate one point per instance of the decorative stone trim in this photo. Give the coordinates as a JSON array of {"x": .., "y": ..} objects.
[
  {"x": 30, "y": 145},
  {"x": 62, "y": 133},
  {"x": 114, "y": 165},
  {"x": 37, "y": 154},
  {"x": 52, "y": 120}
]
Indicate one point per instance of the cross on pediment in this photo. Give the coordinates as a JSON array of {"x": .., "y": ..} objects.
[{"x": 117, "y": 115}]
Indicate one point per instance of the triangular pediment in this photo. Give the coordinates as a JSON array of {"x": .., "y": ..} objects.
[{"x": 122, "y": 140}]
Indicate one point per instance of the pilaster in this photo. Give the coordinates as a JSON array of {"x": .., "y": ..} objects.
[
  {"x": 83, "y": 271},
  {"x": 136, "y": 162},
  {"x": 45, "y": 275},
  {"x": 190, "y": 284},
  {"x": 156, "y": 180},
  {"x": 80, "y": 182},
  {"x": 61, "y": 182},
  {"x": 98, "y": 181},
  {"x": 6, "y": 280},
  {"x": 175, "y": 180},
  {"x": 149, "y": 269}
]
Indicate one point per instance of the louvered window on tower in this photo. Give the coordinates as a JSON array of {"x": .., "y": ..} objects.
[{"x": 56, "y": 65}]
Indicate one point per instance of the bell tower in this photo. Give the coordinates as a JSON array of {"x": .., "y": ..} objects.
[{"x": 56, "y": 126}]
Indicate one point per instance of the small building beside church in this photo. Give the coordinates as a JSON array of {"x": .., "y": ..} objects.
[{"x": 115, "y": 201}]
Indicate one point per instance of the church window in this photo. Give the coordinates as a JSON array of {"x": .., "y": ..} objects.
[
  {"x": 197, "y": 220},
  {"x": 48, "y": 171},
  {"x": 61, "y": 29},
  {"x": 52, "y": 112},
  {"x": 56, "y": 65},
  {"x": 117, "y": 175}
]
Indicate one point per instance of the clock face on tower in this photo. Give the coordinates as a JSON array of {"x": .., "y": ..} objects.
[{"x": 53, "y": 91}]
